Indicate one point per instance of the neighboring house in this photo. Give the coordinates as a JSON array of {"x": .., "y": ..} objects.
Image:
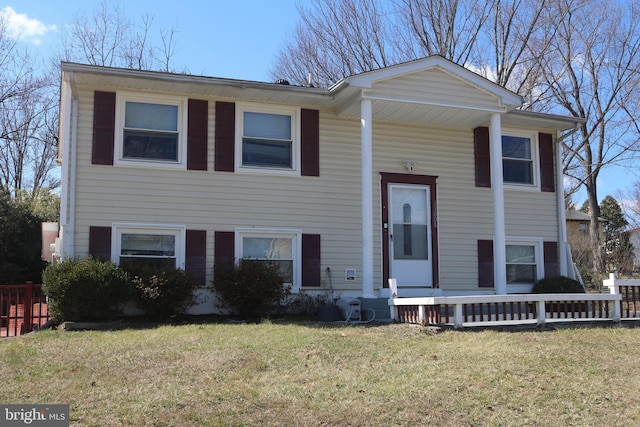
[
  {"x": 579, "y": 239},
  {"x": 578, "y": 222},
  {"x": 424, "y": 172},
  {"x": 634, "y": 239}
]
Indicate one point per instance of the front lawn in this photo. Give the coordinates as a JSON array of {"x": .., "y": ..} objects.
[{"x": 307, "y": 375}]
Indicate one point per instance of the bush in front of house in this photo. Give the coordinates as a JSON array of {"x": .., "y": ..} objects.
[
  {"x": 162, "y": 290},
  {"x": 557, "y": 285},
  {"x": 252, "y": 288},
  {"x": 85, "y": 289}
]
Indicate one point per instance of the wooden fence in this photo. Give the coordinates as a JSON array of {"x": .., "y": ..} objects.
[
  {"x": 23, "y": 308},
  {"x": 621, "y": 303}
]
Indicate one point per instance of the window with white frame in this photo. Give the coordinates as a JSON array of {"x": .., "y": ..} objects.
[
  {"x": 523, "y": 262},
  {"x": 282, "y": 247},
  {"x": 150, "y": 130},
  {"x": 137, "y": 244},
  {"x": 268, "y": 138},
  {"x": 518, "y": 158}
]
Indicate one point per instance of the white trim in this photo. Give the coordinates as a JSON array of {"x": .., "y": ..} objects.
[
  {"x": 535, "y": 159},
  {"x": 253, "y": 107},
  {"x": 183, "y": 116},
  {"x": 538, "y": 245},
  {"x": 435, "y": 104},
  {"x": 117, "y": 229},
  {"x": 296, "y": 241}
]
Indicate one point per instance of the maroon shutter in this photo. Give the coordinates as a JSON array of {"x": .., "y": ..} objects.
[
  {"x": 224, "y": 250},
  {"x": 225, "y": 136},
  {"x": 197, "y": 135},
  {"x": 482, "y": 153},
  {"x": 485, "y": 264},
  {"x": 551, "y": 265},
  {"x": 196, "y": 255},
  {"x": 310, "y": 142},
  {"x": 100, "y": 243},
  {"x": 311, "y": 260},
  {"x": 104, "y": 119},
  {"x": 547, "y": 168}
]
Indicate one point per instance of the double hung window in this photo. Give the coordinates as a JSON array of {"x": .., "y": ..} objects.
[
  {"x": 268, "y": 139},
  {"x": 150, "y": 130},
  {"x": 282, "y": 247},
  {"x": 156, "y": 245},
  {"x": 523, "y": 262},
  {"x": 518, "y": 159}
]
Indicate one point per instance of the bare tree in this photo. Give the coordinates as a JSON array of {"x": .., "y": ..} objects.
[
  {"x": 591, "y": 71},
  {"x": 27, "y": 156},
  {"x": 449, "y": 28},
  {"x": 108, "y": 37},
  {"x": 334, "y": 39}
]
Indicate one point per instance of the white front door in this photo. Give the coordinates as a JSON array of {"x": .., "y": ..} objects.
[{"x": 410, "y": 235}]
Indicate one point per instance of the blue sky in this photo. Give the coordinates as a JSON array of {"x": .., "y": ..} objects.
[
  {"x": 220, "y": 38},
  {"x": 234, "y": 39}
]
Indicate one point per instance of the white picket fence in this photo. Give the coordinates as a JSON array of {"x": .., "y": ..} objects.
[{"x": 621, "y": 303}]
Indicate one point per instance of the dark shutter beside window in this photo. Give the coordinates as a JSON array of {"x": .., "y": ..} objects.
[
  {"x": 197, "y": 135},
  {"x": 104, "y": 118},
  {"x": 196, "y": 255},
  {"x": 100, "y": 243},
  {"x": 547, "y": 167},
  {"x": 224, "y": 251},
  {"x": 485, "y": 264},
  {"x": 482, "y": 155},
  {"x": 311, "y": 260},
  {"x": 310, "y": 142},
  {"x": 551, "y": 264},
  {"x": 225, "y": 136}
]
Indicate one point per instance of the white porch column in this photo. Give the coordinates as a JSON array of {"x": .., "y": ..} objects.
[
  {"x": 497, "y": 185},
  {"x": 366, "y": 136}
]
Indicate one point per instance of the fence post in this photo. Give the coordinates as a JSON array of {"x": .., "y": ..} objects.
[
  {"x": 614, "y": 289},
  {"x": 28, "y": 307},
  {"x": 393, "y": 293},
  {"x": 457, "y": 316},
  {"x": 542, "y": 313}
]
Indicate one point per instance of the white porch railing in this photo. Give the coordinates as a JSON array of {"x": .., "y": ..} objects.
[{"x": 622, "y": 303}]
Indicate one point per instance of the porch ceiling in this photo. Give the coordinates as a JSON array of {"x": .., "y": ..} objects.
[{"x": 397, "y": 111}]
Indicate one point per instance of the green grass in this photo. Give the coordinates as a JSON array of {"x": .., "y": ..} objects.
[{"x": 306, "y": 375}]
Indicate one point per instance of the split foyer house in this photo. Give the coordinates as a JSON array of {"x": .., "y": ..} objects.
[{"x": 424, "y": 172}]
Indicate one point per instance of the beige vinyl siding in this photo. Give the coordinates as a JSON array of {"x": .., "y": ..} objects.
[
  {"x": 329, "y": 205},
  {"x": 531, "y": 214},
  {"x": 436, "y": 85},
  {"x": 465, "y": 212}
]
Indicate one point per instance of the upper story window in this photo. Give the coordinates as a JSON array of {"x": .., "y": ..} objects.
[
  {"x": 268, "y": 139},
  {"x": 150, "y": 130},
  {"x": 518, "y": 159}
]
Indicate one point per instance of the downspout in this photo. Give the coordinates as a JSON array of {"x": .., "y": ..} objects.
[
  {"x": 69, "y": 181},
  {"x": 563, "y": 245}
]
